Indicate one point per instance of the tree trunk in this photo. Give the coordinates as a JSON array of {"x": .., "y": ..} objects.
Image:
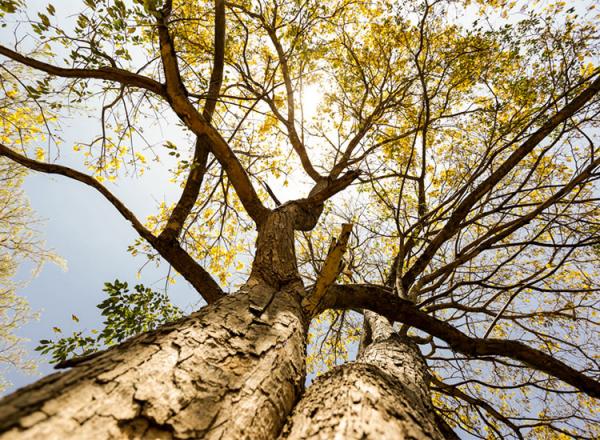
[
  {"x": 235, "y": 369},
  {"x": 383, "y": 395},
  {"x": 232, "y": 370}
]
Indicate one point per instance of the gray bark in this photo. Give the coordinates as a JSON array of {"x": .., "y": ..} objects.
[
  {"x": 232, "y": 370},
  {"x": 383, "y": 395}
]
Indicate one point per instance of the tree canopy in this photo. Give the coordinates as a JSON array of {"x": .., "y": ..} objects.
[{"x": 459, "y": 138}]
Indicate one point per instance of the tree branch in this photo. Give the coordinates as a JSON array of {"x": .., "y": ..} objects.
[
  {"x": 290, "y": 122},
  {"x": 177, "y": 96},
  {"x": 456, "y": 392},
  {"x": 193, "y": 183},
  {"x": 190, "y": 191},
  {"x": 195, "y": 274},
  {"x": 330, "y": 270},
  {"x": 463, "y": 209},
  {"x": 320, "y": 194},
  {"x": 104, "y": 73},
  {"x": 381, "y": 300},
  {"x": 216, "y": 76},
  {"x": 500, "y": 232}
]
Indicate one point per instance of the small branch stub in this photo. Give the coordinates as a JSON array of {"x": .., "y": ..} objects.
[{"x": 330, "y": 270}]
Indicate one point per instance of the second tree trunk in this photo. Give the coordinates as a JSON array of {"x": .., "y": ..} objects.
[{"x": 383, "y": 395}]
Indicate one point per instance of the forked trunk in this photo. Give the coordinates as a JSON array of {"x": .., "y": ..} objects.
[
  {"x": 235, "y": 369},
  {"x": 383, "y": 395},
  {"x": 232, "y": 370}
]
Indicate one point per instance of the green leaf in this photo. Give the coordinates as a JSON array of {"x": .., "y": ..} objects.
[{"x": 126, "y": 314}]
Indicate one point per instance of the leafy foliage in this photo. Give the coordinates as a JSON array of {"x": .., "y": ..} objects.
[
  {"x": 18, "y": 243},
  {"x": 126, "y": 313}
]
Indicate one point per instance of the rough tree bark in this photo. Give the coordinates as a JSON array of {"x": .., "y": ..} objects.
[
  {"x": 235, "y": 369},
  {"x": 232, "y": 370},
  {"x": 383, "y": 395}
]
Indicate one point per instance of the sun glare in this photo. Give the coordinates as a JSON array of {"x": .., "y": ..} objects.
[{"x": 312, "y": 97}]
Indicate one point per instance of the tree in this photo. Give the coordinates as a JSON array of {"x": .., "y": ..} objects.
[
  {"x": 14, "y": 242},
  {"x": 20, "y": 242},
  {"x": 456, "y": 143}
]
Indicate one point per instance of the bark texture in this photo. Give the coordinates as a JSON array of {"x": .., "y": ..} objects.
[
  {"x": 232, "y": 370},
  {"x": 275, "y": 259},
  {"x": 384, "y": 395}
]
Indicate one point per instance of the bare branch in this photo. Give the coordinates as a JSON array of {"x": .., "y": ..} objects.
[
  {"x": 330, "y": 270},
  {"x": 381, "y": 300},
  {"x": 319, "y": 195}
]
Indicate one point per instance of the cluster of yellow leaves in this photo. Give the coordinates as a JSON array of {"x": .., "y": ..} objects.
[
  {"x": 333, "y": 338},
  {"x": 213, "y": 234},
  {"x": 106, "y": 162},
  {"x": 20, "y": 126}
]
